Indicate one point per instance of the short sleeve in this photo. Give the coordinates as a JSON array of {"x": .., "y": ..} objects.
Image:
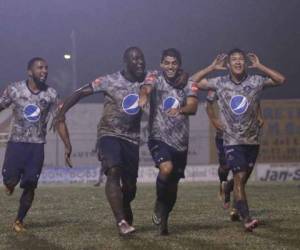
[
  {"x": 6, "y": 98},
  {"x": 191, "y": 88},
  {"x": 212, "y": 83},
  {"x": 100, "y": 84}
]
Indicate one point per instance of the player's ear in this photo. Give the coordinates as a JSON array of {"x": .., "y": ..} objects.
[{"x": 29, "y": 72}]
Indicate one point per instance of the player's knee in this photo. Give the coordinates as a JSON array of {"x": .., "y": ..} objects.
[
  {"x": 29, "y": 184},
  {"x": 10, "y": 182},
  {"x": 166, "y": 168},
  {"x": 113, "y": 172}
]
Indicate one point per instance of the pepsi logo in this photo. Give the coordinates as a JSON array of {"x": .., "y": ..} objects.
[
  {"x": 130, "y": 104},
  {"x": 170, "y": 103},
  {"x": 32, "y": 113},
  {"x": 239, "y": 104}
]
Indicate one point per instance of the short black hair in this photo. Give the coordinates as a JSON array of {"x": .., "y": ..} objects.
[
  {"x": 33, "y": 60},
  {"x": 128, "y": 50},
  {"x": 237, "y": 50},
  {"x": 172, "y": 53}
]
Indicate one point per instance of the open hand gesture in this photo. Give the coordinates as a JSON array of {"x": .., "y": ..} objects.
[
  {"x": 254, "y": 60},
  {"x": 219, "y": 62}
]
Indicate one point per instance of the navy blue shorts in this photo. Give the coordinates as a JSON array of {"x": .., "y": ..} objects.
[
  {"x": 116, "y": 152},
  {"x": 162, "y": 152},
  {"x": 221, "y": 151},
  {"x": 23, "y": 162},
  {"x": 241, "y": 158}
]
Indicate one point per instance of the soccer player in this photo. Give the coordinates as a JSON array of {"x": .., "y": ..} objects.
[
  {"x": 118, "y": 132},
  {"x": 238, "y": 99},
  {"x": 171, "y": 103},
  {"x": 32, "y": 104},
  {"x": 226, "y": 187}
]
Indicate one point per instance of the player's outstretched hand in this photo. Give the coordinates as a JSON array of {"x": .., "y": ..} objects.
[
  {"x": 254, "y": 60},
  {"x": 219, "y": 62},
  {"x": 143, "y": 101},
  {"x": 68, "y": 151}
]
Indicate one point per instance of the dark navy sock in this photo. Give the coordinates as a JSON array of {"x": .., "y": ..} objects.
[{"x": 25, "y": 203}]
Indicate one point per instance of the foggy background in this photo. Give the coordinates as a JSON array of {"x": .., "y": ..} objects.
[{"x": 103, "y": 29}]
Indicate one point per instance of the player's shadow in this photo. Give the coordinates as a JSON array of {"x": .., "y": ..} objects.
[
  {"x": 193, "y": 227},
  {"x": 48, "y": 224},
  {"x": 289, "y": 237},
  {"x": 28, "y": 241}
]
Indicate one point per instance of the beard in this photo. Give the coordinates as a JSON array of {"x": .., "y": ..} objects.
[{"x": 41, "y": 84}]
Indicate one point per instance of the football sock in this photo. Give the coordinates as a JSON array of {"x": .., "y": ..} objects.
[
  {"x": 243, "y": 209},
  {"x": 114, "y": 194},
  {"x": 25, "y": 203}
]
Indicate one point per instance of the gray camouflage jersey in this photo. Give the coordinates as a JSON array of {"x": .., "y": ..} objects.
[
  {"x": 173, "y": 131},
  {"x": 121, "y": 115},
  {"x": 31, "y": 111},
  {"x": 238, "y": 104}
]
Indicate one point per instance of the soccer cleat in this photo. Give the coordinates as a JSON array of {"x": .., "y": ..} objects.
[
  {"x": 18, "y": 226},
  {"x": 234, "y": 216},
  {"x": 9, "y": 191},
  {"x": 125, "y": 228},
  {"x": 156, "y": 219},
  {"x": 163, "y": 226},
  {"x": 250, "y": 225}
]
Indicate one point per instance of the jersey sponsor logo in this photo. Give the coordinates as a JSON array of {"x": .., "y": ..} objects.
[
  {"x": 32, "y": 113},
  {"x": 170, "y": 103},
  {"x": 239, "y": 104},
  {"x": 130, "y": 104}
]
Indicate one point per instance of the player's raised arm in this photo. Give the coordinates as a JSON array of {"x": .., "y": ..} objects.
[
  {"x": 71, "y": 100},
  {"x": 217, "y": 64},
  {"x": 276, "y": 78}
]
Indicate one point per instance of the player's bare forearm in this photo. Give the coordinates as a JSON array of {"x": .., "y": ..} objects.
[
  {"x": 198, "y": 76},
  {"x": 210, "y": 111},
  {"x": 191, "y": 106},
  {"x": 70, "y": 101},
  {"x": 144, "y": 95},
  {"x": 63, "y": 132},
  {"x": 278, "y": 78}
]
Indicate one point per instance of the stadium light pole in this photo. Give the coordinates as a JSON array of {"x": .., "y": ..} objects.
[{"x": 74, "y": 60}]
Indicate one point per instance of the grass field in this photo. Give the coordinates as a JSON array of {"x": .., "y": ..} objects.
[{"x": 78, "y": 217}]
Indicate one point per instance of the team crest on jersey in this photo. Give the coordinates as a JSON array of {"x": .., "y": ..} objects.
[
  {"x": 130, "y": 104},
  {"x": 32, "y": 113},
  {"x": 170, "y": 103},
  {"x": 239, "y": 104}
]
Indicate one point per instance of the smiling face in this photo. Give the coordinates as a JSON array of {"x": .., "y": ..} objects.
[
  {"x": 135, "y": 63},
  {"x": 170, "y": 66},
  {"x": 38, "y": 71},
  {"x": 237, "y": 64}
]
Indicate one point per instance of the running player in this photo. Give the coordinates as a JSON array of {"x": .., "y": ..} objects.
[
  {"x": 32, "y": 102},
  {"x": 171, "y": 103},
  {"x": 118, "y": 132},
  {"x": 226, "y": 187},
  {"x": 238, "y": 100}
]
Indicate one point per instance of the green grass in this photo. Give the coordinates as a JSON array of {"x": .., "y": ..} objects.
[{"x": 78, "y": 217}]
